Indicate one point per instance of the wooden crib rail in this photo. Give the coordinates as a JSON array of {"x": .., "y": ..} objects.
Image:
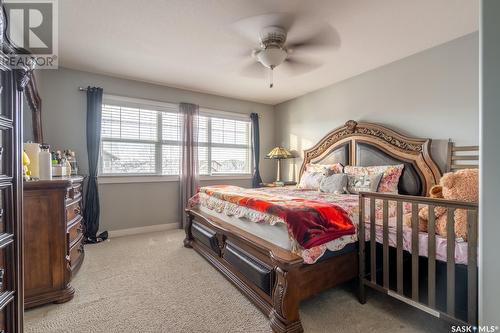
[
  {"x": 461, "y": 157},
  {"x": 429, "y": 305}
]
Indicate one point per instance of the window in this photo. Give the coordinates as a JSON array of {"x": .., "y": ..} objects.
[
  {"x": 224, "y": 145},
  {"x": 139, "y": 139},
  {"x": 143, "y": 138}
]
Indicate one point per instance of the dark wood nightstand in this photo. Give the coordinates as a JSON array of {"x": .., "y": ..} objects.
[{"x": 281, "y": 184}]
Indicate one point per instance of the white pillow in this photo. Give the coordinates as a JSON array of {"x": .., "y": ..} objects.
[
  {"x": 311, "y": 180},
  {"x": 336, "y": 183}
]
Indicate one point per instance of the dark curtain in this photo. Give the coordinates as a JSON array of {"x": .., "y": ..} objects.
[
  {"x": 91, "y": 210},
  {"x": 256, "y": 180},
  {"x": 189, "y": 178}
]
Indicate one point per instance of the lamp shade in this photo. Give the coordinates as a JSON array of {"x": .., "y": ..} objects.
[{"x": 279, "y": 153}]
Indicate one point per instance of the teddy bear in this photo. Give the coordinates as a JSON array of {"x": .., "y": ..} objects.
[{"x": 462, "y": 185}]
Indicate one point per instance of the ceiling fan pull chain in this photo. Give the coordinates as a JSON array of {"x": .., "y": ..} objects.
[{"x": 271, "y": 83}]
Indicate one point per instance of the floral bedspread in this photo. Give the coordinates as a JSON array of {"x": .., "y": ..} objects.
[
  {"x": 349, "y": 203},
  {"x": 310, "y": 222}
]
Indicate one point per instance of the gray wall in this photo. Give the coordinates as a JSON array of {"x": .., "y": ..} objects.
[
  {"x": 489, "y": 292},
  {"x": 430, "y": 94},
  {"x": 27, "y": 123},
  {"x": 135, "y": 205},
  {"x": 139, "y": 204}
]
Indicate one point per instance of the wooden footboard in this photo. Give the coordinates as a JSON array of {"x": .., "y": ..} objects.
[
  {"x": 274, "y": 279},
  {"x": 444, "y": 289}
]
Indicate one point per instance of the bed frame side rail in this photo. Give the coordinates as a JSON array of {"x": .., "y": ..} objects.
[{"x": 429, "y": 305}]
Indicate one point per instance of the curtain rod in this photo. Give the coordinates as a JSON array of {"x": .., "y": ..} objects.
[{"x": 201, "y": 106}]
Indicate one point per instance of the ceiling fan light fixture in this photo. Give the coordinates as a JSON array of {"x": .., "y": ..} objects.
[
  {"x": 273, "y": 49},
  {"x": 271, "y": 57}
]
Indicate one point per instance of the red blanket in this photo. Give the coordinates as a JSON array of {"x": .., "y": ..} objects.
[{"x": 311, "y": 223}]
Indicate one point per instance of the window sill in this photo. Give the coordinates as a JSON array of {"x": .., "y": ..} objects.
[
  {"x": 225, "y": 177},
  {"x": 161, "y": 179},
  {"x": 136, "y": 179}
]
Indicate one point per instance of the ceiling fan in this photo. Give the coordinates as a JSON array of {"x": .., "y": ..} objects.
[{"x": 286, "y": 42}]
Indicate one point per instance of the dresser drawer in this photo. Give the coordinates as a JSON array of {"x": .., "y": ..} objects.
[
  {"x": 6, "y": 157},
  {"x": 73, "y": 211},
  {"x": 7, "y": 305},
  {"x": 6, "y": 310},
  {"x": 75, "y": 231},
  {"x": 76, "y": 254},
  {"x": 3, "y": 253},
  {"x": 77, "y": 190},
  {"x": 3, "y": 323},
  {"x": 6, "y": 83},
  {"x": 5, "y": 198},
  {"x": 6, "y": 295},
  {"x": 74, "y": 192}
]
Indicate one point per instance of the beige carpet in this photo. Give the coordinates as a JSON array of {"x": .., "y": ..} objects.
[{"x": 150, "y": 283}]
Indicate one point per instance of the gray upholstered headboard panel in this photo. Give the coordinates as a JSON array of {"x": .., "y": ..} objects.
[
  {"x": 338, "y": 155},
  {"x": 409, "y": 183},
  {"x": 366, "y": 144}
]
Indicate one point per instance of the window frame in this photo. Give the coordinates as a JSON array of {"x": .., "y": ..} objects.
[
  {"x": 162, "y": 107},
  {"x": 211, "y": 113},
  {"x": 158, "y": 106}
]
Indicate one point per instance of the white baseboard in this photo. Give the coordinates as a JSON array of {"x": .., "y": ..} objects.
[{"x": 142, "y": 230}]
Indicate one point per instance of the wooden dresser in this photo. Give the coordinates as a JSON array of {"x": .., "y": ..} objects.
[{"x": 53, "y": 239}]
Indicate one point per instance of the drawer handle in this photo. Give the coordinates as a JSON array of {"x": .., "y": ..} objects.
[
  {"x": 77, "y": 210},
  {"x": 1, "y": 150},
  {"x": 80, "y": 229},
  {"x": 80, "y": 248},
  {"x": 2, "y": 274},
  {"x": 1, "y": 212}
]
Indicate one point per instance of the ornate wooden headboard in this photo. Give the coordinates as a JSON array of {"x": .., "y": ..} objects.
[{"x": 366, "y": 144}]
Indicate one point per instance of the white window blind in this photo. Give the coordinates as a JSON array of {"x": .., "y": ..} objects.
[
  {"x": 224, "y": 145},
  {"x": 144, "y": 139}
]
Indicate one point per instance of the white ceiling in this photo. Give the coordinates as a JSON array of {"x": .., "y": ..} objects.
[{"x": 192, "y": 44}]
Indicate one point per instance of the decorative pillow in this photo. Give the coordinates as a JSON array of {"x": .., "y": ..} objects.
[
  {"x": 336, "y": 183},
  {"x": 314, "y": 174},
  {"x": 311, "y": 180},
  {"x": 390, "y": 175},
  {"x": 331, "y": 168},
  {"x": 363, "y": 183}
]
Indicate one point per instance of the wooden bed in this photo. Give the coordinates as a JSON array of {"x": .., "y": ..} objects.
[{"x": 277, "y": 280}]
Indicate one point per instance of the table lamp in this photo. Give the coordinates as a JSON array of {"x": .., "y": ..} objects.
[{"x": 279, "y": 153}]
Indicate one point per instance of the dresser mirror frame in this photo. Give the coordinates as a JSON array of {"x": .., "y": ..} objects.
[{"x": 35, "y": 104}]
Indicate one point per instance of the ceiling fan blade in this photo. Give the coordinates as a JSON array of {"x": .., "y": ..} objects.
[
  {"x": 294, "y": 67},
  {"x": 254, "y": 70},
  {"x": 326, "y": 37},
  {"x": 244, "y": 53},
  {"x": 251, "y": 27}
]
